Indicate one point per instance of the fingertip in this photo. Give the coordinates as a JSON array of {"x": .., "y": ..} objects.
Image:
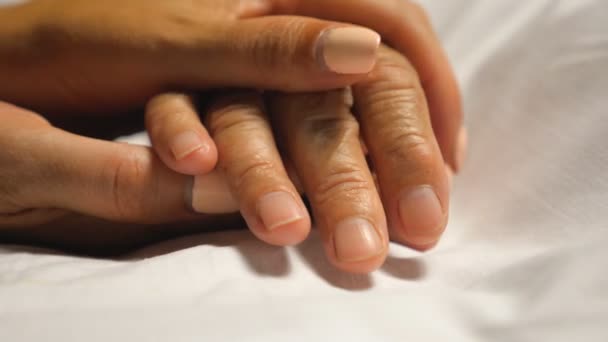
[
  {"x": 424, "y": 247},
  {"x": 280, "y": 219},
  {"x": 192, "y": 153},
  {"x": 287, "y": 234},
  {"x": 308, "y": 54},
  {"x": 198, "y": 162},
  {"x": 356, "y": 246},
  {"x": 360, "y": 267},
  {"x": 178, "y": 136}
]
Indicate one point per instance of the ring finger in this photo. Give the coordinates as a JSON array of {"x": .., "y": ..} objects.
[{"x": 321, "y": 136}]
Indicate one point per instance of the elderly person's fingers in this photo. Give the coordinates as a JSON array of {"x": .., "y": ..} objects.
[
  {"x": 395, "y": 123},
  {"x": 83, "y": 56},
  {"x": 178, "y": 135},
  {"x": 405, "y": 26},
  {"x": 250, "y": 161},
  {"x": 321, "y": 136},
  {"x": 44, "y": 168}
]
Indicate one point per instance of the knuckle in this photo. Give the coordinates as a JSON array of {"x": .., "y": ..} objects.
[
  {"x": 342, "y": 182},
  {"x": 389, "y": 99},
  {"x": 254, "y": 171},
  {"x": 403, "y": 124},
  {"x": 410, "y": 148},
  {"x": 396, "y": 110},
  {"x": 236, "y": 117},
  {"x": 330, "y": 130},
  {"x": 393, "y": 67},
  {"x": 278, "y": 44},
  {"x": 126, "y": 178}
]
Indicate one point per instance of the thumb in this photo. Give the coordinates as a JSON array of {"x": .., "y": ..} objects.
[
  {"x": 115, "y": 181},
  {"x": 289, "y": 53}
]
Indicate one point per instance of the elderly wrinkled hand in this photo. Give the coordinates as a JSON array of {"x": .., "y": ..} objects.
[{"x": 372, "y": 171}]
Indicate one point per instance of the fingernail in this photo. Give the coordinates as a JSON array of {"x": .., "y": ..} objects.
[
  {"x": 355, "y": 239},
  {"x": 209, "y": 194},
  {"x": 185, "y": 144},
  {"x": 421, "y": 215},
  {"x": 348, "y": 50},
  {"x": 278, "y": 209},
  {"x": 461, "y": 148}
]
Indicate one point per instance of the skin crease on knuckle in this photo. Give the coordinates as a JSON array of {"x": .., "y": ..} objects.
[
  {"x": 331, "y": 133},
  {"x": 275, "y": 47},
  {"x": 257, "y": 168},
  {"x": 405, "y": 135},
  {"x": 343, "y": 182},
  {"x": 235, "y": 113},
  {"x": 235, "y": 123},
  {"x": 394, "y": 100},
  {"x": 125, "y": 179}
]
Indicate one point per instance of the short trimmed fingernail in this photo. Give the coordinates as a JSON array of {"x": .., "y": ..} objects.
[
  {"x": 461, "y": 148},
  {"x": 185, "y": 144},
  {"x": 348, "y": 50},
  {"x": 356, "y": 239},
  {"x": 421, "y": 215},
  {"x": 278, "y": 209}
]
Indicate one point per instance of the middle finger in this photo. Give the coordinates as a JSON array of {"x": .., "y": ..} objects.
[
  {"x": 248, "y": 156},
  {"x": 321, "y": 137}
]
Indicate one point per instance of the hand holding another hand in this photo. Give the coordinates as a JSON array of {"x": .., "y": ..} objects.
[{"x": 395, "y": 185}]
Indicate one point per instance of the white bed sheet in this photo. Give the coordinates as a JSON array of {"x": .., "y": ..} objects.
[{"x": 525, "y": 257}]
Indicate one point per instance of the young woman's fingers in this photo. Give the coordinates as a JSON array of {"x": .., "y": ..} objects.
[
  {"x": 178, "y": 136},
  {"x": 88, "y": 57},
  {"x": 405, "y": 26},
  {"x": 396, "y": 126},
  {"x": 249, "y": 158},
  {"x": 44, "y": 167},
  {"x": 281, "y": 52},
  {"x": 321, "y": 136}
]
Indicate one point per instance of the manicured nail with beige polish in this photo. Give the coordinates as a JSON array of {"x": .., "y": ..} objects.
[
  {"x": 356, "y": 239},
  {"x": 421, "y": 215},
  {"x": 209, "y": 194},
  {"x": 185, "y": 144},
  {"x": 348, "y": 50},
  {"x": 279, "y": 209}
]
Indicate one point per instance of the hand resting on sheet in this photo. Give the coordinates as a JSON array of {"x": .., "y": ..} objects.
[{"x": 54, "y": 179}]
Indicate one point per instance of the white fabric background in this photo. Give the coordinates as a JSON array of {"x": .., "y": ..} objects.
[{"x": 525, "y": 257}]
